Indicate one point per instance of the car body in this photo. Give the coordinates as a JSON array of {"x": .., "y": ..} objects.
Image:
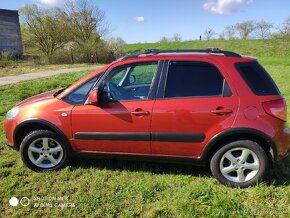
[{"x": 182, "y": 106}]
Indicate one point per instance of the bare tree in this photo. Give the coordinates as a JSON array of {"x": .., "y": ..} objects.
[
  {"x": 164, "y": 39},
  {"x": 230, "y": 32},
  {"x": 177, "y": 37},
  {"x": 209, "y": 34},
  {"x": 245, "y": 29},
  {"x": 263, "y": 29},
  {"x": 222, "y": 36},
  {"x": 46, "y": 30},
  {"x": 284, "y": 29}
]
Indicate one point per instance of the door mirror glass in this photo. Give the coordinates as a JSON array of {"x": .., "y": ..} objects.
[{"x": 94, "y": 97}]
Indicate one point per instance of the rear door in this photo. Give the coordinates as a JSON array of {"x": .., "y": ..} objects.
[{"x": 194, "y": 103}]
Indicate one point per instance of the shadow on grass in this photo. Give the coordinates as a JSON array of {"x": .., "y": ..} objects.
[
  {"x": 141, "y": 166},
  {"x": 278, "y": 175}
]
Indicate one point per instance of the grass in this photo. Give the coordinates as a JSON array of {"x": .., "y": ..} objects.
[
  {"x": 22, "y": 67},
  {"x": 260, "y": 48},
  {"x": 115, "y": 188}
]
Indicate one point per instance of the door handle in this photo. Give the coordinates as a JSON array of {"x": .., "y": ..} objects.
[
  {"x": 140, "y": 112},
  {"x": 222, "y": 111}
]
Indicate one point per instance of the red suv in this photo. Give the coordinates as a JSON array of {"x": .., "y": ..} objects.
[{"x": 188, "y": 106}]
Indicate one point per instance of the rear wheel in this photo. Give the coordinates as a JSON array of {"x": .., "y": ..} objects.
[
  {"x": 239, "y": 164},
  {"x": 44, "y": 150}
]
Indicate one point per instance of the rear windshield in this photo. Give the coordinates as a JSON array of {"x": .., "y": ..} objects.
[{"x": 257, "y": 78}]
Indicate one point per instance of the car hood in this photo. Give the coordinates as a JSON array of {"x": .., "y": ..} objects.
[{"x": 38, "y": 98}]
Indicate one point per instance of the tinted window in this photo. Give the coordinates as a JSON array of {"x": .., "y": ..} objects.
[
  {"x": 257, "y": 78},
  {"x": 194, "y": 79}
]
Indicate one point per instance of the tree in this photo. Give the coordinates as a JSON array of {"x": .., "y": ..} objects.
[
  {"x": 284, "y": 29},
  {"x": 230, "y": 32},
  {"x": 263, "y": 29},
  {"x": 209, "y": 34},
  {"x": 45, "y": 29},
  {"x": 115, "y": 47},
  {"x": 177, "y": 37},
  {"x": 164, "y": 39},
  {"x": 245, "y": 29},
  {"x": 222, "y": 36},
  {"x": 86, "y": 25}
]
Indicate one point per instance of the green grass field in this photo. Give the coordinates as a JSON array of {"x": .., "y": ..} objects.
[
  {"x": 111, "y": 188},
  {"x": 260, "y": 48}
]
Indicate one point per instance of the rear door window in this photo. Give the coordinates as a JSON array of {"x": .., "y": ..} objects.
[
  {"x": 257, "y": 78},
  {"x": 194, "y": 79}
]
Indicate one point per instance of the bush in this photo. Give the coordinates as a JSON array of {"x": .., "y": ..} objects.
[{"x": 6, "y": 58}]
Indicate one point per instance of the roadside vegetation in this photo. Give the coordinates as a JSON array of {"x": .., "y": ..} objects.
[
  {"x": 115, "y": 188},
  {"x": 23, "y": 67},
  {"x": 73, "y": 33}
]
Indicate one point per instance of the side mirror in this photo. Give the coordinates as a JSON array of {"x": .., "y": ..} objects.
[{"x": 94, "y": 97}]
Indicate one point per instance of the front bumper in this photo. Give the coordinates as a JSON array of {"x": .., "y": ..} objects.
[{"x": 9, "y": 127}]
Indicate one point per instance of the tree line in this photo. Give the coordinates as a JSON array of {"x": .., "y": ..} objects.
[
  {"x": 250, "y": 30},
  {"x": 243, "y": 30},
  {"x": 73, "y": 33}
]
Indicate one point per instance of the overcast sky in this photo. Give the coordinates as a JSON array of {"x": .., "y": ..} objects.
[{"x": 148, "y": 20}]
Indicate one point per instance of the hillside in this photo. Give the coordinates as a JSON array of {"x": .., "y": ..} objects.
[{"x": 259, "y": 48}]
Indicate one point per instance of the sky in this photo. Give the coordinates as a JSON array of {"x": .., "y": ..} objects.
[{"x": 149, "y": 20}]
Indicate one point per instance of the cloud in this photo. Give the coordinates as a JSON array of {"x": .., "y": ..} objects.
[
  {"x": 223, "y": 7},
  {"x": 50, "y": 2},
  {"x": 139, "y": 19}
]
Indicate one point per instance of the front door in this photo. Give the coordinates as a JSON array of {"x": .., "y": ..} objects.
[{"x": 121, "y": 122}]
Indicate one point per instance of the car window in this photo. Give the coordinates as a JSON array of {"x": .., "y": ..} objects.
[
  {"x": 193, "y": 79},
  {"x": 130, "y": 82},
  {"x": 79, "y": 95},
  {"x": 257, "y": 78},
  {"x": 142, "y": 74}
]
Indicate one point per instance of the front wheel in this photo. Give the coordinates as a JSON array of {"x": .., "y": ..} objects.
[
  {"x": 44, "y": 150},
  {"x": 239, "y": 164}
]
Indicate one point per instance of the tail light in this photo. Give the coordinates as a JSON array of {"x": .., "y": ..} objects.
[{"x": 276, "y": 108}]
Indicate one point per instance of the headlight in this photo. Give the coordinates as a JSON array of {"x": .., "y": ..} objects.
[{"x": 12, "y": 113}]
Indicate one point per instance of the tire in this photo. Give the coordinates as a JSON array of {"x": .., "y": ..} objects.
[
  {"x": 43, "y": 150},
  {"x": 239, "y": 164}
]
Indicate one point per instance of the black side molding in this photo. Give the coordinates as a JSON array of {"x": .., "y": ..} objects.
[
  {"x": 136, "y": 136},
  {"x": 178, "y": 137},
  {"x": 141, "y": 136}
]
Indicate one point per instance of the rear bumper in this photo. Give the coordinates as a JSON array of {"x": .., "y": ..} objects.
[
  {"x": 281, "y": 157},
  {"x": 283, "y": 143}
]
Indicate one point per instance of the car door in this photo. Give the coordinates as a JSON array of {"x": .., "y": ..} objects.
[
  {"x": 194, "y": 103},
  {"x": 121, "y": 121}
]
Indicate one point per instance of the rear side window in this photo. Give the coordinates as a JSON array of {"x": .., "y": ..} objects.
[
  {"x": 194, "y": 79},
  {"x": 257, "y": 78}
]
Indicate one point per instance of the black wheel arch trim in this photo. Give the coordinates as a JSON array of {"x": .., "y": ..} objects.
[
  {"x": 43, "y": 122},
  {"x": 235, "y": 131}
]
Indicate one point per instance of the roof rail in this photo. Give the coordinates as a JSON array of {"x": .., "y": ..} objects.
[{"x": 154, "y": 51}]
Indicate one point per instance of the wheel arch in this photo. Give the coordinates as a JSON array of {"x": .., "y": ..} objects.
[
  {"x": 30, "y": 125},
  {"x": 227, "y": 136}
]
